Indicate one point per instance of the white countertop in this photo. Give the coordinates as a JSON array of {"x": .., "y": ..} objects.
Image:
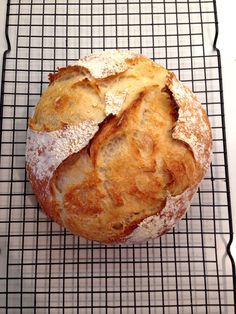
[
  {"x": 227, "y": 45},
  {"x": 3, "y": 44}
]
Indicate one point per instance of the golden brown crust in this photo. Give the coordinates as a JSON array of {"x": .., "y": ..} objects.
[
  {"x": 63, "y": 72},
  {"x": 41, "y": 189},
  {"x": 136, "y": 160}
]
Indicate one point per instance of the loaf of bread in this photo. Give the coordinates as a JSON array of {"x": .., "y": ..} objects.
[{"x": 116, "y": 148}]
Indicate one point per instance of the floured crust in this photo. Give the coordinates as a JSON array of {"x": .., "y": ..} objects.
[
  {"x": 114, "y": 102},
  {"x": 116, "y": 148},
  {"x": 46, "y": 150},
  {"x": 106, "y": 63},
  {"x": 157, "y": 225},
  {"x": 192, "y": 126}
]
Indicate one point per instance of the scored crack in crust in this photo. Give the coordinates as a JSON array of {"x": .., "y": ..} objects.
[
  {"x": 192, "y": 126},
  {"x": 115, "y": 152}
]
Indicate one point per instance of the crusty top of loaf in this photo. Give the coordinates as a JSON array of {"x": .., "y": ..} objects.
[
  {"x": 149, "y": 141},
  {"x": 75, "y": 95}
]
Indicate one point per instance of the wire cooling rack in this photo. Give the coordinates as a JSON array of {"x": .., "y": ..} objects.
[{"x": 43, "y": 268}]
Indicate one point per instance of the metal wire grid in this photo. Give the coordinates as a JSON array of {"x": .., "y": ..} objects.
[{"x": 43, "y": 268}]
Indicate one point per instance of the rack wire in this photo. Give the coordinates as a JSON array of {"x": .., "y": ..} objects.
[{"x": 43, "y": 268}]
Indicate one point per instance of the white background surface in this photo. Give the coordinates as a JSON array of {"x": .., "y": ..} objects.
[
  {"x": 227, "y": 44},
  {"x": 3, "y": 44}
]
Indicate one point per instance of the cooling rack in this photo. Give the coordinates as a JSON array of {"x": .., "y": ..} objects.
[{"x": 43, "y": 268}]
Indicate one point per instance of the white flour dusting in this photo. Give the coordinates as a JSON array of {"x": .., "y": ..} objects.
[
  {"x": 156, "y": 225},
  {"x": 46, "y": 150},
  {"x": 106, "y": 63},
  {"x": 191, "y": 127},
  {"x": 114, "y": 102}
]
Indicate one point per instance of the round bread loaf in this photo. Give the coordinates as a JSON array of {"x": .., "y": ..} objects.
[{"x": 117, "y": 147}]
